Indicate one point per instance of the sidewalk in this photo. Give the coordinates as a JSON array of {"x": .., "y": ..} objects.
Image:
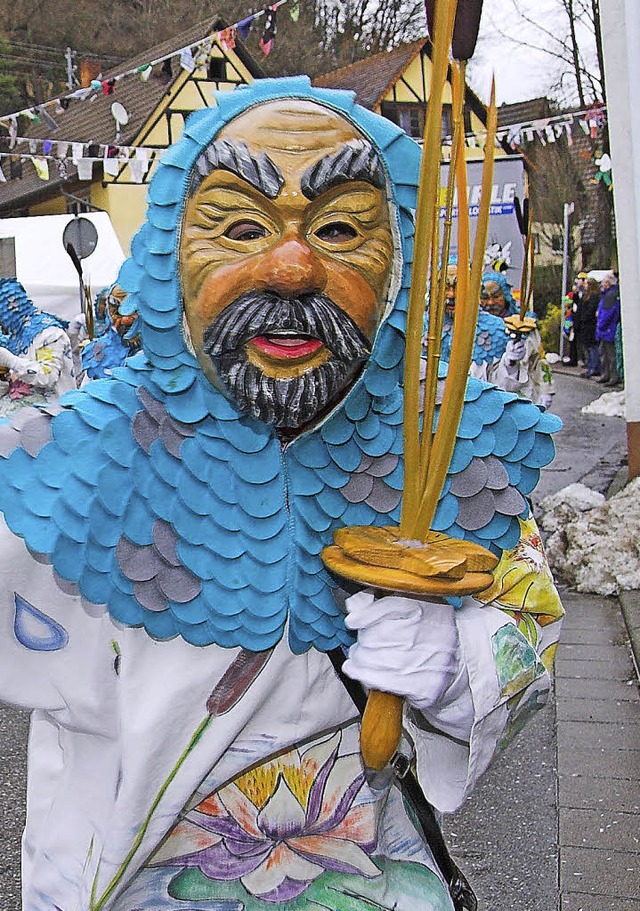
[
  {"x": 598, "y": 753},
  {"x": 555, "y": 823}
]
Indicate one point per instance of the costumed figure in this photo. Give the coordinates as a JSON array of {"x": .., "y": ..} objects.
[
  {"x": 192, "y": 744},
  {"x": 523, "y": 368},
  {"x": 490, "y": 340},
  {"x": 120, "y": 340},
  {"x": 36, "y": 363}
]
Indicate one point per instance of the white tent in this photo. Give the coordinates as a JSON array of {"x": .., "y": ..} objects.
[{"x": 45, "y": 269}]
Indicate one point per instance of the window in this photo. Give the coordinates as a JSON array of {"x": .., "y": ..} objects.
[
  {"x": 410, "y": 116},
  {"x": 556, "y": 243},
  {"x": 217, "y": 69},
  {"x": 447, "y": 121},
  {"x": 407, "y": 115},
  {"x": 7, "y": 257},
  {"x": 80, "y": 202}
]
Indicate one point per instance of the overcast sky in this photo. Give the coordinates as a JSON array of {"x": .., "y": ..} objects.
[{"x": 521, "y": 73}]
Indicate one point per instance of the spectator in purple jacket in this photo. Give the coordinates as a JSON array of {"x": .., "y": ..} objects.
[{"x": 607, "y": 323}]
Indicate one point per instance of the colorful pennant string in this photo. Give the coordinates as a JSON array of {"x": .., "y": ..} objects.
[{"x": 39, "y": 113}]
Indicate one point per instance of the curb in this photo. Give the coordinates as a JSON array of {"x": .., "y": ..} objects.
[
  {"x": 629, "y": 600},
  {"x": 630, "y": 606}
]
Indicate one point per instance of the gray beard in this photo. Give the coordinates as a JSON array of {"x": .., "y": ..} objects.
[{"x": 285, "y": 403}]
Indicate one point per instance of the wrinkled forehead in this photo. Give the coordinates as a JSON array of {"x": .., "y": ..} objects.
[
  {"x": 294, "y": 128},
  {"x": 292, "y": 143}
]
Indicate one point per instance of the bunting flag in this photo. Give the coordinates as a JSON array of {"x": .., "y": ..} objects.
[
  {"x": 40, "y": 113},
  {"x": 269, "y": 30},
  {"x": 545, "y": 130}
]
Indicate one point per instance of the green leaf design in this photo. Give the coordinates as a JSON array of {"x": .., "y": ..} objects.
[
  {"x": 516, "y": 660},
  {"x": 402, "y": 886}
]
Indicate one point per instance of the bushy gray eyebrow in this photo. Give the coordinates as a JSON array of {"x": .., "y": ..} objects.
[
  {"x": 356, "y": 160},
  {"x": 225, "y": 155}
]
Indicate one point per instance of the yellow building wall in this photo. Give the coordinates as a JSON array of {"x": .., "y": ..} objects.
[
  {"x": 126, "y": 205},
  {"x": 57, "y": 206},
  {"x": 417, "y": 74}
]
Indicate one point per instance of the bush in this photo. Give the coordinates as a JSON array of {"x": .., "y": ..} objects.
[
  {"x": 549, "y": 327},
  {"x": 547, "y": 283}
]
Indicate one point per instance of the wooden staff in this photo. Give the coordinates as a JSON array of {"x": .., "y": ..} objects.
[{"x": 412, "y": 558}]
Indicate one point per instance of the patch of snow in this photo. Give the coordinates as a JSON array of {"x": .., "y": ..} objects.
[
  {"x": 594, "y": 548},
  {"x": 611, "y": 404}
]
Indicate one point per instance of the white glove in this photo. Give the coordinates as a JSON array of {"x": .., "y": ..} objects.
[
  {"x": 77, "y": 325},
  {"x": 516, "y": 349},
  {"x": 7, "y": 359},
  {"x": 546, "y": 401},
  {"x": 405, "y": 646}
]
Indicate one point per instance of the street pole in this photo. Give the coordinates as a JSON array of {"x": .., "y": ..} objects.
[
  {"x": 568, "y": 210},
  {"x": 620, "y": 21}
]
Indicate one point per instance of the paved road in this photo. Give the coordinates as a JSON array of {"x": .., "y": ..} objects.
[
  {"x": 590, "y": 448},
  {"x": 506, "y": 835}
]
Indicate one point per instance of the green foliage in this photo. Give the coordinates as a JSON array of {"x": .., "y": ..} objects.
[
  {"x": 547, "y": 286},
  {"x": 401, "y": 885},
  {"x": 9, "y": 90},
  {"x": 549, "y": 327}
]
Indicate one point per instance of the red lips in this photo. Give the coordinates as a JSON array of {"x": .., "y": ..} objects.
[{"x": 286, "y": 346}]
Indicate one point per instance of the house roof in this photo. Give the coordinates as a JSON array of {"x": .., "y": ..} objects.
[
  {"x": 91, "y": 121},
  {"x": 524, "y": 111},
  {"x": 374, "y": 76}
]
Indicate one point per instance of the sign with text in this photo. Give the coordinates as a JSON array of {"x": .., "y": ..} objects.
[{"x": 505, "y": 244}]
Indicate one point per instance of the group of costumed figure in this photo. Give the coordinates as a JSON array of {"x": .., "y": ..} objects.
[
  {"x": 43, "y": 356},
  {"x": 508, "y": 350},
  {"x": 167, "y": 613}
]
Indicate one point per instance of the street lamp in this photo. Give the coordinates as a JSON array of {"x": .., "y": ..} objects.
[{"x": 568, "y": 210}]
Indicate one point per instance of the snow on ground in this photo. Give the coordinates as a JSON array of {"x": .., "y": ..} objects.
[
  {"x": 593, "y": 544},
  {"x": 610, "y": 404}
]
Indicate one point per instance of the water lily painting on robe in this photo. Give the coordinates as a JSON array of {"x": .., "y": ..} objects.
[{"x": 280, "y": 826}]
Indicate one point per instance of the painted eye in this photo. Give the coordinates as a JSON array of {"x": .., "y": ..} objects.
[
  {"x": 245, "y": 231},
  {"x": 337, "y": 232}
]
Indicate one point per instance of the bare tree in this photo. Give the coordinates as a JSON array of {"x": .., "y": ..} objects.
[
  {"x": 569, "y": 36},
  {"x": 567, "y": 32}
]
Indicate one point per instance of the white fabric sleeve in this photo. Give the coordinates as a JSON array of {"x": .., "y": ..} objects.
[
  {"x": 54, "y": 656},
  {"x": 509, "y": 376},
  {"x": 42, "y": 364},
  {"x": 456, "y": 739}
]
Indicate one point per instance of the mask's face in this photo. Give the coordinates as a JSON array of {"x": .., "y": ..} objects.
[
  {"x": 450, "y": 288},
  {"x": 121, "y": 322},
  {"x": 285, "y": 256},
  {"x": 101, "y": 307},
  {"x": 492, "y": 299}
]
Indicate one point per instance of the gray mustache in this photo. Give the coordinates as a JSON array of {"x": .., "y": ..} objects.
[{"x": 256, "y": 313}]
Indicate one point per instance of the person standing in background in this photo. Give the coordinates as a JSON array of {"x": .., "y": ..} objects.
[
  {"x": 608, "y": 318},
  {"x": 578, "y": 296},
  {"x": 586, "y": 329}
]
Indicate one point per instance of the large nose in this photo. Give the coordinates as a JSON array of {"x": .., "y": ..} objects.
[{"x": 291, "y": 268}]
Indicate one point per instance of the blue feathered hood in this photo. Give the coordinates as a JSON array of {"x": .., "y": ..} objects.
[
  {"x": 150, "y": 276},
  {"x": 21, "y": 318}
]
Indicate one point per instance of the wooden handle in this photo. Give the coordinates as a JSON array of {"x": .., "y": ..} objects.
[{"x": 381, "y": 728}]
